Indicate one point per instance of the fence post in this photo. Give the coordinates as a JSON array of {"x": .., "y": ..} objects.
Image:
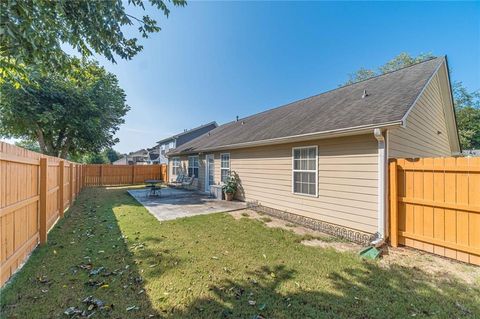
[
  {"x": 393, "y": 183},
  {"x": 76, "y": 180},
  {"x": 80, "y": 170},
  {"x": 71, "y": 185},
  {"x": 61, "y": 178},
  {"x": 84, "y": 172},
  {"x": 101, "y": 174},
  {"x": 133, "y": 174},
  {"x": 43, "y": 200}
]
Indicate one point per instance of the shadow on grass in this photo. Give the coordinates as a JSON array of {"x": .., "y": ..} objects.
[
  {"x": 371, "y": 292},
  {"x": 57, "y": 275},
  {"x": 53, "y": 279},
  {"x": 363, "y": 291}
]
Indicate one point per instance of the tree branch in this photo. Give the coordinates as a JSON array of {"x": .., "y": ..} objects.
[{"x": 135, "y": 18}]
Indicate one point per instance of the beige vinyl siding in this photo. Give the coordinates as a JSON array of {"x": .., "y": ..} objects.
[
  {"x": 347, "y": 180},
  {"x": 420, "y": 138}
]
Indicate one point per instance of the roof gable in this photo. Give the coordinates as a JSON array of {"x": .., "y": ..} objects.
[{"x": 448, "y": 117}]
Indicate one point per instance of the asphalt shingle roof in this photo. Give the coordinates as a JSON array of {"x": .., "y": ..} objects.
[{"x": 389, "y": 98}]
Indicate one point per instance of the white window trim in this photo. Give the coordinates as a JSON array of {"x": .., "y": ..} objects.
[
  {"x": 207, "y": 171},
  {"x": 174, "y": 160},
  {"x": 305, "y": 171},
  {"x": 229, "y": 165},
  {"x": 193, "y": 167}
]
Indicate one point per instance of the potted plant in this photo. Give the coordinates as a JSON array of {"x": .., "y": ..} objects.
[{"x": 230, "y": 187}]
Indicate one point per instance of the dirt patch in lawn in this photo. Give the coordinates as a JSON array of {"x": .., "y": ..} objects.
[
  {"x": 392, "y": 257},
  {"x": 309, "y": 237},
  {"x": 431, "y": 264},
  {"x": 110, "y": 256}
]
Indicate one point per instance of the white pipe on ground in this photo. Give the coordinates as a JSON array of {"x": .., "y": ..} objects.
[{"x": 381, "y": 187}]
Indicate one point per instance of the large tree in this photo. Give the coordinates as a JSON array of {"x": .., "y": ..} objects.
[
  {"x": 29, "y": 145},
  {"x": 65, "y": 115},
  {"x": 467, "y": 109},
  {"x": 400, "y": 61},
  {"x": 467, "y": 104},
  {"x": 112, "y": 155},
  {"x": 32, "y": 32}
]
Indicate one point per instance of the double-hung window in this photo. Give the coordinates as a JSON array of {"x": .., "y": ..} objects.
[
  {"x": 224, "y": 166},
  {"x": 175, "y": 166},
  {"x": 305, "y": 170},
  {"x": 193, "y": 166}
]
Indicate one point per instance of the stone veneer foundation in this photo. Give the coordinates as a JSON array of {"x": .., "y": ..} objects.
[{"x": 331, "y": 229}]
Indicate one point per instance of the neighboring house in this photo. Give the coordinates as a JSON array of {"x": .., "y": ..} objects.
[
  {"x": 121, "y": 161},
  {"x": 153, "y": 155},
  {"x": 325, "y": 157},
  {"x": 147, "y": 156},
  {"x": 140, "y": 157},
  {"x": 169, "y": 143}
]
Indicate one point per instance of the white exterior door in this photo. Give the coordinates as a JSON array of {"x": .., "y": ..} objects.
[{"x": 209, "y": 172}]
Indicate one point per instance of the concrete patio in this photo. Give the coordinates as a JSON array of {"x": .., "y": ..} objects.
[{"x": 177, "y": 203}]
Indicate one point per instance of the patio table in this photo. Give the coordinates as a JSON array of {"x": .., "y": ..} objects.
[{"x": 152, "y": 184}]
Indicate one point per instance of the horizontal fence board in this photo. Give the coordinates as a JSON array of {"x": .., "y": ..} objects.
[
  {"x": 23, "y": 207},
  {"x": 111, "y": 175},
  {"x": 435, "y": 206},
  {"x": 31, "y": 202}
]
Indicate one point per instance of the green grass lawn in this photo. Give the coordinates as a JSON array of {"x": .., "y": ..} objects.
[{"x": 212, "y": 266}]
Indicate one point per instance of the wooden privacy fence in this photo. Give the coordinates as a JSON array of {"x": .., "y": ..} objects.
[
  {"x": 106, "y": 174},
  {"x": 35, "y": 190},
  {"x": 435, "y": 206}
]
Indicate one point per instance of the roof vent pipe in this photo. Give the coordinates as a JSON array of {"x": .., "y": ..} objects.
[{"x": 364, "y": 95}]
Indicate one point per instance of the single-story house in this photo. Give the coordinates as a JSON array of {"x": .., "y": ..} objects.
[{"x": 325, "y": 158}]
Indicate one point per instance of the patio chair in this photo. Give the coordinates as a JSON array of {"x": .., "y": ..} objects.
[
  {"x": 178, "y": 182},
  {"x": 187, "y": 181},
  {"x": 193, "y": 185}
]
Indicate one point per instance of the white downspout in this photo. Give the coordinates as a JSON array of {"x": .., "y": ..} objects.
[{"x": 381, "y": 187}]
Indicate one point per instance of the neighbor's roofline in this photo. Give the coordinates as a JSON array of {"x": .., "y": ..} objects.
[
  {"x": 189, "y": 131},
  {"x": 296, "y": 138}
]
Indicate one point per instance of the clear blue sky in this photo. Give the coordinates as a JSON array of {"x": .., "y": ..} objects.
[{"x": 216, "y": 60}]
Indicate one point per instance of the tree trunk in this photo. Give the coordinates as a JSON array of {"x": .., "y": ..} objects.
[
  {"x": 65, "y": 148},
  {"x": 41, "y": 141}
]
